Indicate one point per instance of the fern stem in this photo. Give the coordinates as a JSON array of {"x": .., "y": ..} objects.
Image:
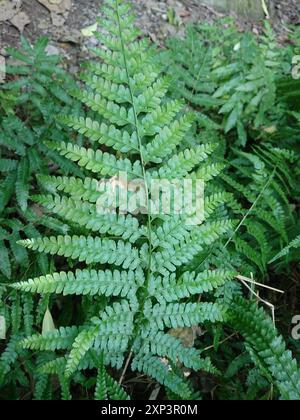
[
  {"x": 125, "y": 367},
  {"x": 136, "y": 126},
  {"x": 252, "y": 207}
]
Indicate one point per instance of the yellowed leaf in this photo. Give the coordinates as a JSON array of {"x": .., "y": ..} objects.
[
  {"x": 48, "y": 323},
  {"x": 89, "y": 31}
]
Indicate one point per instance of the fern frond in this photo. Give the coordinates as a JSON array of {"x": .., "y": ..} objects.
[
  {"x": 181, "y": 164},
  {"x": 86, "y": 282},
  {"x": 165, "y": 345},
  {"x": 184, "y": 251},
  {"x": 22, "y": 187},
  {"x": 111, "y": 136},
  {"x": 85, "y": 214},
  {"x": 128, "y": 311},
  {"x": 88, "y": 249},
  {"x": 171, "y": 289},
  {"x": 83, "y": 342},
  {"x": 293, "y": 244},
  {"x": 98, "y": 162},
  {"x": 167, "y": 140},
  {"x": 259, "y": 332},
  {"x": 154, "y": 367},
  {"x": 5, "y": 265},
  {"x": 160, "y": 117},
  {"x": 178, "y": 315},
  {"x": 87, "y": 189},
  {"x": 56, "y": 340}
]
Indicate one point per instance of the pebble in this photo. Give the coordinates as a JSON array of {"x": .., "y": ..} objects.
[{"x": 52, "y": 50}]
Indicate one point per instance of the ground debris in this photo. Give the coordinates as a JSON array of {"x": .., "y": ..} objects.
[{"x": 11, "y": 11}]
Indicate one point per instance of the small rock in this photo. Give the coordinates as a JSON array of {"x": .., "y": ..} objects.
[
  {"x": 57, "y": 20},
  {"x": 93, "y": 41},
  {"x": 52, "y": 50},
  {"x": 71, "y": 36},
  {"x": 20, "y": 20}
]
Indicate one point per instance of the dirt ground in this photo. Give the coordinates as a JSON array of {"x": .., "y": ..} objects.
[{"x": 63, "y": 20}]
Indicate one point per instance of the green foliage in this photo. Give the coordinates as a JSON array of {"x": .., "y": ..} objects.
[
  {"x": 101, "y": 292},
  {"x": 235, "y": 81},
  {"x": 293, "y": 245},
  {"x": 131, "y": 312},
  {"x": 35, "y": 91},
  {"x": 267, "y": 348},
  {"x": 233, "y": 89},
  {"x": 37, "y": 95}
]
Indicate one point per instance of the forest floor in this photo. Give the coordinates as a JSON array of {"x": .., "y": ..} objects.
[{"x": 62, "y": 21}]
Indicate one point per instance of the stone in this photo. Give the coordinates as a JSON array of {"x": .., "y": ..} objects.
[{"x": 251, "y": 9}]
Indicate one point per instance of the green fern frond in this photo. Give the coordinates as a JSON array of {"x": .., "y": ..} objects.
[
  {"x": 165, "y": 345},
  {"x": 88, "y": 249},
  {"x": 181, "y": 164},
  {"x": 98, "y": 162},
  {"x": 87, "y": 189},
  {"x": 159, "y": 370},
  {"x": 86, "y": 282},
  {"x": 83, "y": 342},
  {"x": 111, "y": 136},
  {"x": 170, "y": 289},
  {"x": 270, "y": 348},
  {"x": 293, "y": 244},
  {"x": 56, "y": 340},
  {"x": 85, "y": 214},
  {"x": 148, "y": 136},
  {"x": 179, "y": 315},
  {"x": 167, "y": 140}
]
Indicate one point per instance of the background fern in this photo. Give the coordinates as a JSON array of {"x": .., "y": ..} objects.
[
  {"x": 233, "y": 89},
  {"x": 35, "y": 98},
  {"x": 36, "y": 90}
]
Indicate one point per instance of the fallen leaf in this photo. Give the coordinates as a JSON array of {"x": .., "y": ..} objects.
[
  {"x": 187, "y": 336},
  {"x": 155, "y": 393},
  {"x": 57, "y": 6},
  {"x": 59, "y": 10},
  {"x": 184, "y": 13},
  {"x": 44, "y": 25},
  {"x": 20, "y": 20},
  {"x": 38, "y": 210}
]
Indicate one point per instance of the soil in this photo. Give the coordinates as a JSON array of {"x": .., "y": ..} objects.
[{"x": 157, "y": 19}]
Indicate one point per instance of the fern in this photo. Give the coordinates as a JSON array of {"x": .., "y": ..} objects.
[
  {"x": 238, "y": 81},
  {"x": 294, "y": 244},
  {"x": 236, "y": 86},
  {"x": 34, "y": 93},
  {"x": 144, "y": 134},
  {"x": 39, "y": 93},
  {"x": 269, "y": 348}
]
